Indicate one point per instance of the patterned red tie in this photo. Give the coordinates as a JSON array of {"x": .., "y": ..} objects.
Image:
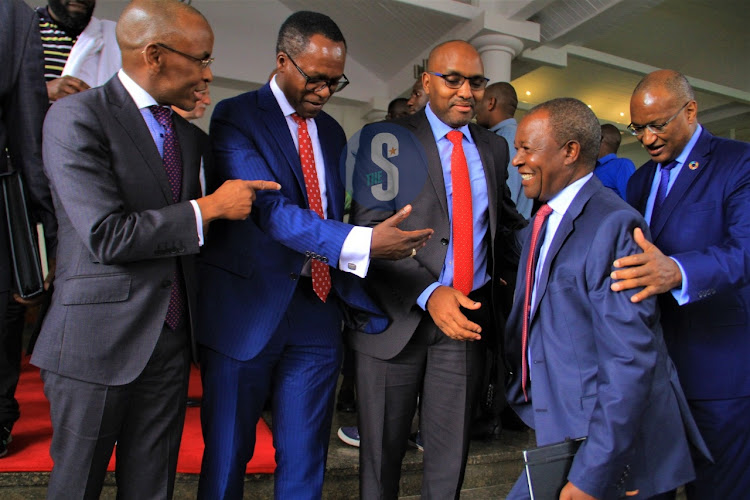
[
  {"x": 541, "y": 216},
  {"x": 321, "y": 275},
  {"x": 463, "y": 222},
  {"x": 172, "y": 160}
]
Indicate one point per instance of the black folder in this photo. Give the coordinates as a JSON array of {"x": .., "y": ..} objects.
[
  {"x": 22, "y": 237},
  {"x": 547, "y": 468}
]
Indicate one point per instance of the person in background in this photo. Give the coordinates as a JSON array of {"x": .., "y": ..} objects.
[
  {"x": 23, "y": 103},
  {"x": 614, "y": 172},
  {"x": 397, "y": 108},
  {"x": 115, "y": 347},
  {"x": 196, "y": 114},
  {"x": 586, "y": 361},
  {"x": 695, "y": 195},
  {"x": 80, "y": 51},
  {"x": 418, "y": 98},
  {"x": 495, "y": 113}
]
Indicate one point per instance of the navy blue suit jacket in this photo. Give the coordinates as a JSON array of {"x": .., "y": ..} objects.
[
  {"x": 704, "y": 224},
  {"x": 250, "y": 268},
  {"x": 599, "y": 367}
]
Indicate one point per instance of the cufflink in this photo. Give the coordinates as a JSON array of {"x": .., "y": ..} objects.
[{"x": 352, "y": 266}]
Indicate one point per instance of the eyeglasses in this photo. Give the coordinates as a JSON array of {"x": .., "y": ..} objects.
[
  {"x": 456, "y": 81},
  {"x": 318, "y": 84},
  {"x": 639, "y": 130},
  {"x": 205, "y": 63}
]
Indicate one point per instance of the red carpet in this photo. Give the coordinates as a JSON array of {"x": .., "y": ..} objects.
[{"x": 29, "y": 451}]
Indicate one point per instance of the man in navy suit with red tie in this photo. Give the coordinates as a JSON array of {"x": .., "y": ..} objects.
[
  {"x": 586, "y": 361},
  {"x": 276, "y": 287},
  {"x": 695, "y": 194}
]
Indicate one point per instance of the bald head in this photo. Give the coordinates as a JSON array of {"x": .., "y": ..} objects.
[
  {"x": 664, "y": 114},
  {"x": 674, "y": 82},
  {"x": 499, "y": 103},
  {"x": 166, "y": 47},
  {"x": 454, "y": 81},
  {"x": 146, "y": 21}
]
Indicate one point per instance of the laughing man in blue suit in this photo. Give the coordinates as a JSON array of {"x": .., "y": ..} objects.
[
  {"x": 699, "y": 266},
  {"x": 276, "y": 287},
  {"x": 593, "y": 364}
]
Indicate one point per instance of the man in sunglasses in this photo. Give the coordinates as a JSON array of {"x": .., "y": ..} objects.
[
  {"x": 695, "y": 195},
  {"x": 276, "y": 287},
  {"x": 441, "y": 301}
]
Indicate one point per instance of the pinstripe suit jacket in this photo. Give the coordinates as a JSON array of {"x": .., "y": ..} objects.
[
  {"x": 120, "y": 236},
  {"x": 249, "y": 269}
]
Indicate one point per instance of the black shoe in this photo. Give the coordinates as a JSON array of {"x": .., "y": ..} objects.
[
  {"x": 5, "y": 439},
  {"x": 347, "y": 398}
]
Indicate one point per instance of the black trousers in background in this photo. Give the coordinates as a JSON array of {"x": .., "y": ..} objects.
[{"x": 11, "y": 332}]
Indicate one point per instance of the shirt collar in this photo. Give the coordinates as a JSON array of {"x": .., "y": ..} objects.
[
  {"x": 286, "y": 108},
  {"x": 439, "y": 128},
  {"x": 142, "y": 98},
  {"x": 683, "y": 156},
  {"x": 562, "y": 200},
  {"x": 503, "y": 124},
  {"x": 604, "y": 159}
]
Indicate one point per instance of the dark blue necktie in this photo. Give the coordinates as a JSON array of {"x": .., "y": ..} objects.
[
  {"x": 172, "y": 160},
  {"x": 661, "y": 193}
]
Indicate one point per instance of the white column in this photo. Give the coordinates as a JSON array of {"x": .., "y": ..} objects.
[{"x": 497, "y": 52}]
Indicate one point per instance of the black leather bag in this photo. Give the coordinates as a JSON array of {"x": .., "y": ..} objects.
[{"x": 22, "y": 237}]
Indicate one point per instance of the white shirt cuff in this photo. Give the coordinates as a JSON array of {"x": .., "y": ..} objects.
[
  {"x": 681, "y": 295},
  {"x": 198, "y": 221},
  {"x": 355, "y": 252}
]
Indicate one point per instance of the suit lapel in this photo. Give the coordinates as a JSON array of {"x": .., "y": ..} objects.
[
  {"x": 686, "y": 178},
  {"x": 128, "y": 115},
  {"x": 423, "y": 132},
  {"x": 190, "y": 156},
  {"x": 334, "y": 189},
  {"x": 276, "y": 123},
  {"x": 490, "y": 175},
  {"x": 567, "y": 224},
  {"x": 644, "y": 189}
]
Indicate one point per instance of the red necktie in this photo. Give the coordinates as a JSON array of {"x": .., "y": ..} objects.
[
  {"x": 539, "y": 219},
  {"x": 463, "y": 222},
  {"x": 172, "y": 160},
  {"x": 321, "y": 275}
]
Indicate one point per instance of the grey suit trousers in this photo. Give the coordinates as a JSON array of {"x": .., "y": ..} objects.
[
  {"x": 446, "y": 372},
  {"x": 145, "y": 418}
]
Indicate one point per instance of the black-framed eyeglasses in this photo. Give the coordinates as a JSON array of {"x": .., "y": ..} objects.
[
  {"x": 318, "y": 84},
  {"x": 456, "y": 80},
  {"x": 639, "y": 130},
  {"x": 205, "y": 63}
]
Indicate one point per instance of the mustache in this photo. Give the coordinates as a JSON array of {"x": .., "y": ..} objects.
[{"x": 459, "y": 101}]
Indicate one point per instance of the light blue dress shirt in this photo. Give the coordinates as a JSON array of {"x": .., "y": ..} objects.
[
  {"x": 680, "y": 295},
  {"x": 479, "y": 204}
]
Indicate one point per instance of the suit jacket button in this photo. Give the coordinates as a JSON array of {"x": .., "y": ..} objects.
[
  {"x": 292, "y": 276},
  {"x": 166, "y": 284},
  {"x": 444, "y": 241}
]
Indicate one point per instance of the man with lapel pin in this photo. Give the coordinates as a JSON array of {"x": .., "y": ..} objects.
[
  {"x": 695, "y": 195},
  {"x": 116, "y": 344},
  {"x": 586, "y": 361}
]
